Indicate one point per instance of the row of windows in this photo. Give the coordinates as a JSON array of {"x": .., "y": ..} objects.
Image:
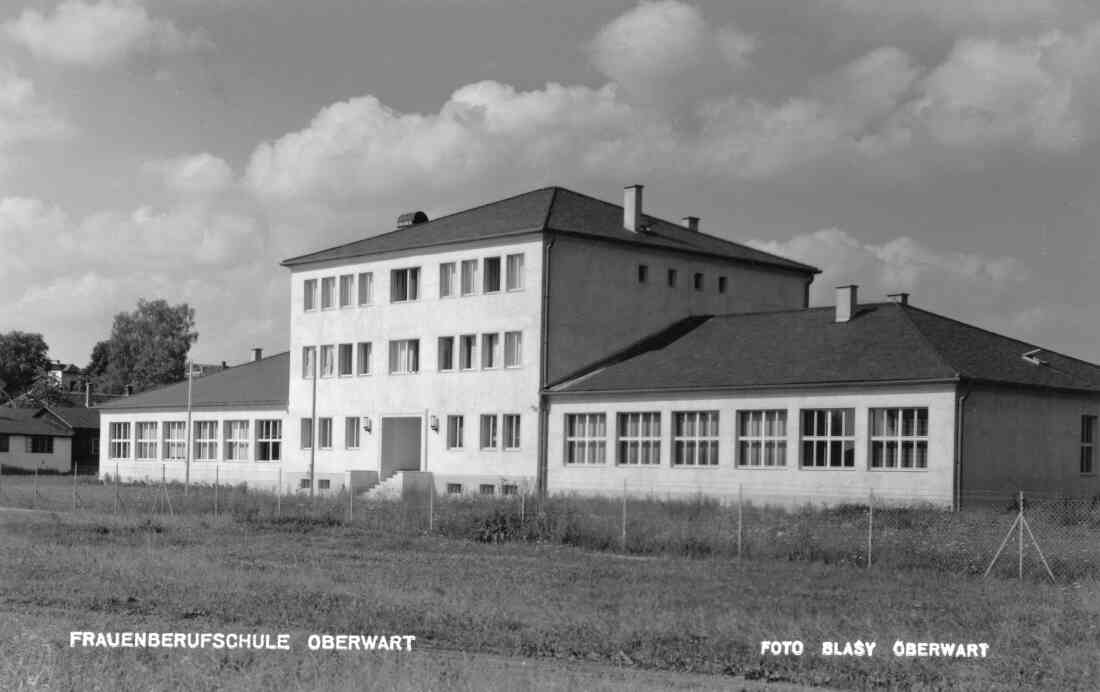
[
  {"x": 452, "y": 352},
  {"x": 494, "y": 432},
  {"x": 167, "y": 440},
  {"x": 484, "y": 489},
  {"x": 898, "y": 438},
  {"x": 467, "y": 277},
  {"x": 35, "y": 444},
  {"x": 672, "y": 278}
]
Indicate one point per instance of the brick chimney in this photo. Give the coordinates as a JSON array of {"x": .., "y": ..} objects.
[
  {"x": 257, "y": 354},
  {"x": 846, "y": 302},
  {"x": 692, "y": 223},
  {"x": 87, "y": 395},
  {"x": 632, "y": 208}
]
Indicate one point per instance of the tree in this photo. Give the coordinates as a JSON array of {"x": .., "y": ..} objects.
[
  {"x": 148, "y": 347},
  {"x": 101, "y": 358},
  {"x": 23, "y": 358}
]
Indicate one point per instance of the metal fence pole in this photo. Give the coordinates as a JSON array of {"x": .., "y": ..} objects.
[
  {"x": 1020, "y": 543},
  {"x": 34, "y": 497},
  {"x": 217, "y": 479},
  {"x": 740, "y": 519},
  {"x": 351, "y": 500},
  {"x": 870, "y": 523},
  {"x": 431, "y": 507},
  {"x": 74, "y": 486},
  {"x": 116, "y": 489},
  {"x": 623, "y": 537},
  {"x": 279, "y": 495}
]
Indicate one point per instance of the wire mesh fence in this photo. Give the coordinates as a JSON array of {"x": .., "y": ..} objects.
[{"x": 1019, "y": 535}]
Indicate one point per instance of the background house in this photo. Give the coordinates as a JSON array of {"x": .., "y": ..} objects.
[{"x": 33, "y": 439}]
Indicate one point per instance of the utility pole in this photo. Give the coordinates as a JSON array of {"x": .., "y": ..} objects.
[
  {"x": 313, "y": 426},
  {"x": 187, "y": 468}
]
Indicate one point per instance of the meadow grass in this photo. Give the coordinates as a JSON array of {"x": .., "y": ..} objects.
[{"x": 542, "y": 600}]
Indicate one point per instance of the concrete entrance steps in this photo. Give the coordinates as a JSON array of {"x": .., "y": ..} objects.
[{"x": 389, "y": 489}]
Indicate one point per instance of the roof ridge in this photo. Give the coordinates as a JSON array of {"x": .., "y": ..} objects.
[{"x": 925, "y": 338}]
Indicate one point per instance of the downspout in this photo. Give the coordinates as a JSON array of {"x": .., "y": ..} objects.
[
  {"x": 544, "y": 371},
  {"x": 960, "y": 409}
]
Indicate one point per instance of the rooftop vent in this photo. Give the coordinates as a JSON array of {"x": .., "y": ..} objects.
[
  {"x": 692, "y": 223},
  {"x": 257, "y": 354},
  {"x": 632, "y": 208},
  {"x": 846, "y": 302},
  {"x": 411, "y": 218},
  {"x": 1032, "y": 357}
]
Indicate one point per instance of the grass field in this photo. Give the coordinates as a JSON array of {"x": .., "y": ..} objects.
[{"x": 548, "y": 602}]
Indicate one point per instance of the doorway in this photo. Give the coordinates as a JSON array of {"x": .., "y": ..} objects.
[{"x": 400, "y": 446}]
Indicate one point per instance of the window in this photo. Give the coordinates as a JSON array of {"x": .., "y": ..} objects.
[
  {"x": 513, "y": 349},
  {"x": 347, "y": 289},
  {"x": 1088, "y": 443},
  {"x": 175, "y": 443},
  {"x": 721, "y": 284},
  {"x": 486, "y": 489},
  {"x": 344, "y": 364},
  {"x": 309, "y": 361},
  {"x": 640, "y": 438},
  {"x": 695, "y": 438},
  {"x": 236, "y": 440},
  {"x": 5, "y": 443},
  {"x": 328, "y": 292},
  {"x": 323, "y": 483},
  {"x": 454, "y": 488},
  {"x": 364, "y": 356},
  {"x": 328, "y": 360},
  {"x": 445, "y": 350},
  {"x": 404, "y": 284},
  {"x": 489, "y": 431},
  {"x": 585, "y": 438},
  {"x": 672, "y": 278},
  {"x": 206, "y": 440},
  {"x": 43, "y": 444},
  {"x": 145, "y": 440},
  {"x": 698, "y": 281},
  {"x": 447, "y": 272},
  {"x": 309, "y": 296},
  {"x": 469, "y": 277},
  {"x": 828, "y": 438},
  {"x": 467, "y": 347},
  {"x": 899, "y": 438},
  {"x": 366, "y": 288},
  {"x": 351, "y": 432},
  {"x": 324, "y": 433},
  {"x": 762, "y": 438},
  {"x": 509, "y": 489},
  {"x": 303, "y": 484},
  {"x": 404, "y": 356},
  {"x": 490, "y": 347},
  {"x": 514, "y": 280},
  {"x": 119, "y": 441},
  {"x": 511, "y": 430},
  {"x": 269, "y": 440},
  {"x": 454, "y": 432},
  {"x": 305, "y": 434},
  {"x": 492, "y": 275},
  {"x": 643, "y": 273}
]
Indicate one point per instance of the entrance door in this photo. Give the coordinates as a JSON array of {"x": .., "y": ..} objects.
[{"x": 400, "y": 446}]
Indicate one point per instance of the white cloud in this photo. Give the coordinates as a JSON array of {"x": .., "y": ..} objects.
[
  {"x": 972, "y": 15},
  {"x": 96, "y": 34},
  {"x": 197, "y": 176},
  {"x": 22, "y": 116}
]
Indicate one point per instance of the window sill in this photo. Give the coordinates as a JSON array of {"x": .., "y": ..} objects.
[
  {"x": 751, "y": 467},
  {"x": 827, "y": 468},
  {"x": 690, "y": 467}
]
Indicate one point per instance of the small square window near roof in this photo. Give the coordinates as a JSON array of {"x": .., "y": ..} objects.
[
  {"x": 672, "y": 278},
  {"x": 643, "y": 273},
  {"x": 698, "y": 281}
]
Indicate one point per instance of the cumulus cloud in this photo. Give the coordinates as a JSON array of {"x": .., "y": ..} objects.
[
  {"x": 23, "y": 117},
  {"x": 195, "y": 176},
  {"x": 972, "y": 15},
  {"x": 97, "y": 34}
]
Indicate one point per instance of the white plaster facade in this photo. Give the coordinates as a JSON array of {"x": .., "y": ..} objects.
[{"x": 18, "y": 455}]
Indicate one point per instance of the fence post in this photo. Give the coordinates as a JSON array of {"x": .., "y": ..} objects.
[
  {"x": 623, "y": 537},
  {"x": 279, "y": 495},
  {"x": 217, "y": 480},
  {"x": 740, "y": 519},
  {"x": 870, "y": 523},
  {"x": 34, "y": 497},
  {"x": 431, "y": 506},
  {"x": 74, "y": 486},
  {"x": 523, "y": 506},
  {"x": 116, "y": 489},
  {"x": 351, "y": 500},
  {"x": 1020, "y": 543}
]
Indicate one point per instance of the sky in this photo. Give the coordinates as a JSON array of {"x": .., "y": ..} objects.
[{"x": 180, "y": 149}]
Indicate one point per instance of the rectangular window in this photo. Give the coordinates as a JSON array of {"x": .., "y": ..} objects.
[
  {"x": 486, "y": 489},
  {"x": 828, "y": 438},
  {"x": 145, "y": 440},
  {"x": 305, "y": 433},
  {"x": 899, "y": 438},
  {"x": 511, "y": 430},
  {"x": 303, "y": 484},
  {"x": 509, "y": 489},
  {"x": 236, "y": 440},
  {"x": 347, "y": 289},
  {"x": 490, "y": 351},
  {"x": 309, "y": 361},
  {"x": 454, "y": 488},
  {"x": 269, "y": 440},
  {"x": 363, "y": 356},
  {"x": 489, "y": 438},
  {"x": 492, "y": 275},
  {"x": 323, "y": 483},
  {"x": 640, "y": 438},
  {"x": 328, "y": 292},
  {"x": 404, "y": 356},
  {"x": 404, "y": 284},
  {"x": 695, "y": 438},
  {"x": 351, "y": 432},
  {"x": 1088, "y": 443},
  {"x": 174, "y": 435},
  {"x": 5, "y": 443},
  {"x": 467, "y": 351},
  {"x": 514, "y": 281},
  {"x": 328, "y": 360},
  {"x": 445, "y": 351},
  {"x": 344, "y": 364},
  {"x": 119, "y": 441},
  {"x": 454, "y": 432},
  {"x": 698, "y": 281},
  {"x": 469, "y": 277},
  {"x": 366, "y": 288},
  {"x": 43, "y": 444},
  {"x": 672, "y": 278},
  {"x": 447, "y": 275},
  {"x": 762, "y": 438},
  {"x": 513, "y": 349},
  {"x": 324, "y": 433},
  {"x": 722, "y": 284},
  {"x": 643, "y": 273},
  {"x": 585, "y": 438},
  {"x": 309, "y": 295},
  {"x": 206, "y": 440}
]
